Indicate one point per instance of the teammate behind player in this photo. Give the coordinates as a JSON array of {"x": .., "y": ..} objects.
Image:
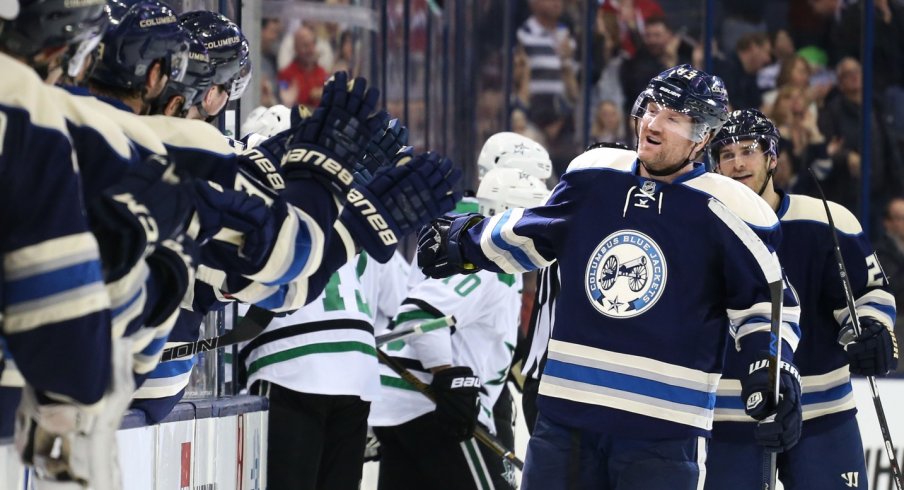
[
  {"x": 830, "y": 452},
  {"x": 653, "y": 276}
]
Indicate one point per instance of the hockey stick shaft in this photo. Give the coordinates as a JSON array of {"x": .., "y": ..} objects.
[
  {"x": 428, "y": 326},
  {"x": 855, "y": 322},
  {"x": 480, "y": 433},
  {"x": 772, "y": 270},
  {"x": 251, "y": 325}
]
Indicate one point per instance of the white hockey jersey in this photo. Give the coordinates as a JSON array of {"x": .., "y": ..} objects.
[
  {"x": 486, "y": 306},
  {"x": 385, "y": 286},
  {"x": 327, "y": 347}
]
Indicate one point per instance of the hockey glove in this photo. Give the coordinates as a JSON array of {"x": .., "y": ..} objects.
[
  {"x": 381, "y": 151},
  {"x": 874, "y": 352},
  {"x": 455, "y": 390},
  {"x": 327, "y": 145},
  {"x": 147, "y": 206},
  {"x": 779, "y": 427},
  {"x": 399, "y": 200},
  {"x": 439, "y": 249}
]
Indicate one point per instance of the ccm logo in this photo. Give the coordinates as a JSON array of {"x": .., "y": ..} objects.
[
  {"x": 319, "y": 159},
  {"x": 376, "y": 222},
  {"x": 466, "y": 382}
]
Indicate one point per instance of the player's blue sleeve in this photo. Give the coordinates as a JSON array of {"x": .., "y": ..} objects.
[
  {"x": 56, "y": 317},
  {"x": 872, "y": 295},
  {"x": 521, "y": 240}
]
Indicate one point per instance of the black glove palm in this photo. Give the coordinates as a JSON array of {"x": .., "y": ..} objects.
[{"x": 874, "y": 352}]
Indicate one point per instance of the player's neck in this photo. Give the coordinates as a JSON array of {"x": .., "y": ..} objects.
[
  {"x": 771, "y": 196},
  {"x": 668, "y": 179}
]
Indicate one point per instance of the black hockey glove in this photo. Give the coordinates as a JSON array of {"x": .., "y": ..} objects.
[
  {"x": 381, "y": 151},
  {"x": 779, "y": 427},
  {"x": 147, "y": 206},
  {"x": 327, "y": 145},
  {"x": 874, "y": 352},
  {"x": 399, "y": 200},
  {"x": 439, "y": 249},
  {"x": 456, "y": 390}
]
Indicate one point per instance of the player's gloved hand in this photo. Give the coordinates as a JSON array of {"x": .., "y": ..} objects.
[
  {"x": 259, "y": 162},
  {"x": 147, "y": 206},
  {"x": 327, "y": 145},
  {"x": 399, "y": 200},
  {"x": 381, "y": 151},
  {"x": 438, "y": 246},
  {"x": 779, "y": 427},
  {"x": 456, "y": 390},
  {"x": 874, "y": 352},
  {"x": 71, "y": 444},
  {"x": 245, "y": 228}
]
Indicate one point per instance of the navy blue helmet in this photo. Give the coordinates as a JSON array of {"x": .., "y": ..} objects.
[
  {"x": 746, "y": 125},
  {"x": 690, "y": 91},
  {"x": 148, "y": 32},
  {"x": 198, "y": 78},
  {"x": 227, "y": 47},
  {"x": 42, "y": 24}
]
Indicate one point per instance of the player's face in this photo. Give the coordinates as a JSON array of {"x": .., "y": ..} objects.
[
  {"x": 746, "y": 162},
  {"x": 663, "y": 137}
]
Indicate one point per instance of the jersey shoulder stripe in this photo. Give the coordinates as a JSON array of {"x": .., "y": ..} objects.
[
  {"x": 737, "y": 197},
  {"x": 606, "y": 158},
  {"x": 806, "y": 208}
]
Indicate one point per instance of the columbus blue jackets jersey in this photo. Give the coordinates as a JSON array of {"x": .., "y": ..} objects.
[
  {"x": 55, "y": 310},
  {"x": 653, "y": 286},
  {"x": 808, "y": 257}
]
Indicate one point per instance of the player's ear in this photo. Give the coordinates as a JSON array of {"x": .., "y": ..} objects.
[
  {"x": 174, "y": 106},
  {"x": 155, "y": 80}
]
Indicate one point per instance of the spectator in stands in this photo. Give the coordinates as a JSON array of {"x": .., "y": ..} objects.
[
  {"x": 782, "y": 49},
  {"x": 741, "y": 19},
  {"x": 347, "y": 60},
  {"x": 660, "y": 48},
  {"x": 890, "y": 250},
  {"x": 632, "y": 16},
  {"x": 797, "y": 120},
  {"x": 608, "y": 124},
  {"x": 608, "y": 87},
  {"x": 302, "y": 81},
  {"x": 271, "y": 35},
  {"x": 840, "y": 119},
  {"x": 553, "y": 87},
  {"x": 739, "y": 71}
]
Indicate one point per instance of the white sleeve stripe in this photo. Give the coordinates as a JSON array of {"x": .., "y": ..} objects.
[
  {"x": 738, "y": 317},
  {"x": 50, "y": 255},
  {"x": 874, "y": 300},
  {"x": 767, "y": 259},
  {"x": 122, "y": 318},
  {"x": 124, "y": 289},
  {"x": 347, "y": 241},
  {"x": 70, "y": 305},
  {"x": 525, "y": 244},
  {"x": 787, "y": 332},
  {"x": 283, "y": 252}
]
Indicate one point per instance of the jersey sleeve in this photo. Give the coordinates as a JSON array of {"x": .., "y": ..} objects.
[
  {"x": 869, "y": 284},
  {"x": 749, "y": 264},
  {"x": 56, "y": 316},
  {"x": 521, "y": 240}
]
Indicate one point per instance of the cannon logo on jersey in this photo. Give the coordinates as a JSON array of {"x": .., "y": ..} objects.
[{"x": 626, "y": 274}]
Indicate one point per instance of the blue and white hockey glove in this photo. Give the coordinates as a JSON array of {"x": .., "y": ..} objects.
[
  {"x": 147, "y": 206},
  {"x": 400, "y": 200},
  {"x": 381, "y": 151},
  {"x": 439, "y": 249},
  {"x": 779, "y": 427},
  {"x": 874, "y": 352},
  {"x": 327, "y": 145},
  {"x": 455, "y": 390}
]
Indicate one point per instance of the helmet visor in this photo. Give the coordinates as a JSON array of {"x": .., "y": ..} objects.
[
  {"x": 237, "y": 85},
  {"x": 81, "y": 52},
  {"x": 178, "y": 65},
  {"x": 730, "y": 150},
  {"x": 660, "y": 116}
]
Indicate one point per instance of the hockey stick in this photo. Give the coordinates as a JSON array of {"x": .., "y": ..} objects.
[
  {"x": 480, "y": 433},
  {"x": 251, "y": 325},
  {"x": 855, "y": 322},
  {"x": 768, "y": 262},
  {"x": 428, "y": 326}
]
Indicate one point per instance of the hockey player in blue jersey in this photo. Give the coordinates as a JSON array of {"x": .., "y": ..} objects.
[
  {"x": 655, "y": 282},
  {"x": 830, "y": 452}
]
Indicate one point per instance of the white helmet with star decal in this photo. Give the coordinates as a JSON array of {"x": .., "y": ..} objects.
[
  {"x": 504, "y": 188},
  {"x": 511, "y": 150}
]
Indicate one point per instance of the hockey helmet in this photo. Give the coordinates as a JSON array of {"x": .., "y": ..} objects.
[
  {"x": 511, "y": 150},
  {"x": 504, "y": 188},
  {"x": 228, "y": 49},
  {"x": 746, "y": 125},
  {"x": 198, "y": 77},
  {"x": 689, "y": 91},
  {"x": 149, "y": 31},
  {"x": 41, "y": 24}
]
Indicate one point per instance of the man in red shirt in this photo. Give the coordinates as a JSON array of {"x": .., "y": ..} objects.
[{"x": 302, "y": 81}]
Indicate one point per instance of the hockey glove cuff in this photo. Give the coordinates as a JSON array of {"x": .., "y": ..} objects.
[
  {"x": 874, "y": 352},
  {"x": 456, "y": 390}
]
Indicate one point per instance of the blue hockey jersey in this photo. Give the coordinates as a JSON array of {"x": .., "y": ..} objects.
[
  {"x": 807, "y": 255},
  {"x": 55, "y": 310},
  {"x": 653, "y": 287}
]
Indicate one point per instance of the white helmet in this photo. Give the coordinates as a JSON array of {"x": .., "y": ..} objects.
[
  {"x": 511, "y": 150},
  {"x": 504, "y": 188},
  {"x": 264, "y": 122}
]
